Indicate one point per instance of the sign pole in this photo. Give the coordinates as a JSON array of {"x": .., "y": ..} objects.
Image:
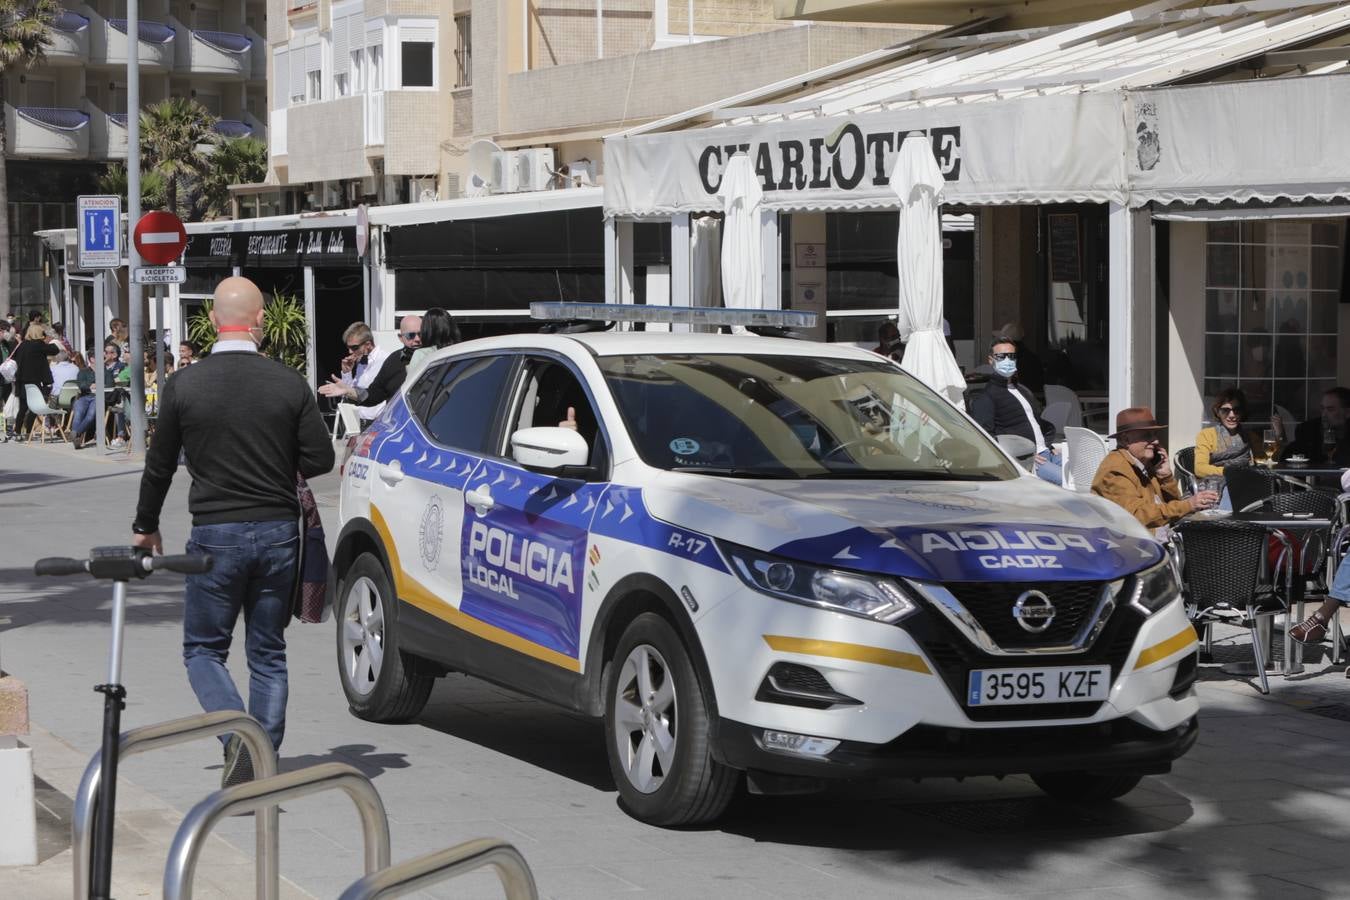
[
  {"x": 101, "y": 329},
  {"x": 159, "y": 344},
  {"x": 135, "y": 311}
]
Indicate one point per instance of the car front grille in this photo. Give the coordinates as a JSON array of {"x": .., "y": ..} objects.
[
  {"x": 991, "y": 603},
  {"x": 955, "y": 657}
]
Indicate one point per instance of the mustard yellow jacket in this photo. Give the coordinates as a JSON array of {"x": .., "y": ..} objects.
[
  {"x": 1154, "y": 501},
  {"x": 1205, "y": 444}
]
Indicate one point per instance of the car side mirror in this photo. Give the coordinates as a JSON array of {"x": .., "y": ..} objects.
[{"x": 550, "y": 449}]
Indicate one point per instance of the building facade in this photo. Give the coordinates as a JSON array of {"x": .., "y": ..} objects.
[{"x": 66, "y": 118}]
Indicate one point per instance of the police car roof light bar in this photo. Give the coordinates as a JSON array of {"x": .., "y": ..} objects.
[{"x": 675, "y": 315}]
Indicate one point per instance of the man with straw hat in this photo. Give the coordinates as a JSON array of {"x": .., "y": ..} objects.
[{"x": 1137, "y": 475}]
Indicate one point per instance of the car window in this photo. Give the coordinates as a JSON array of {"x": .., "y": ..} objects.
[
  {"x": 794, "y": 417},
  {"x": 425, "y": 385},
  {"x": 550, "y": 390},
  {"x": 463, "y": 408}
]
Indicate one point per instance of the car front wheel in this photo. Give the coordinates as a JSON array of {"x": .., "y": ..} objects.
[
  {"x": 381, "y": 684},
  {"x": 657, "y": 730}
]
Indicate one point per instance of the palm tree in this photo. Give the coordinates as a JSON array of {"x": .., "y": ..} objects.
[
  {"x": 173, "y": 133},
  {"x": 24, "y": 37},
  {"x": 241, "y": 160},
  {"x": 114, "y": 181}
]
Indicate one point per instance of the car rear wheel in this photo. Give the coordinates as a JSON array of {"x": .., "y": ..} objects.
[
  {"x": 657, "y": 730},
  {"x": 381, "y": 684},
  {"x": 1085, "y": 787}
]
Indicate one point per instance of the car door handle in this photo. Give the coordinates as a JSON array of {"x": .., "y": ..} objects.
[
  {"x": 480, "y": 499},
  {"x": 392, "y": 473}
]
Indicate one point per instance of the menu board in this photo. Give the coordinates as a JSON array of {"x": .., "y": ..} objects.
[{"x": 1065, "y": 252}]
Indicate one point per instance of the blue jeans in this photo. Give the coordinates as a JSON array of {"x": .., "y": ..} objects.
[
  {"x": 82, "y": 413},
  {"x": 1340, "y": 586},
  {"x": 1052, "y": 470},
  {"x": 254, "y": 571}
]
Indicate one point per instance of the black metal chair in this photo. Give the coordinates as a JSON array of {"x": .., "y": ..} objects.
[
  {"x": 1183, "y": 464},
  {"x": 1249, "y": 486},
  {"x": 1225, "y": 578}
]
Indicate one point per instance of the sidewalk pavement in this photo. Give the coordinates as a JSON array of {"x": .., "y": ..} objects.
[{"x": 1259, "y": 808}]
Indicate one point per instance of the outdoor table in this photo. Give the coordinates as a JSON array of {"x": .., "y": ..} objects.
[
  {"x": 1293, "y": 655},
  {"x": 1309, "y": 472}
]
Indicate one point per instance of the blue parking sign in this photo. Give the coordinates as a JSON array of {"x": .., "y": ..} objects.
[{"x": 99, "y": 232}]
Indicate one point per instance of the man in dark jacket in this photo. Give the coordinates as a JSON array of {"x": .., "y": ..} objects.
[
  {"x": 249, "y": 425},
  {"x": 393, "y": 371},
  {"x": 1006, "y": 407},
  {"x": 1309, "y": 437}
]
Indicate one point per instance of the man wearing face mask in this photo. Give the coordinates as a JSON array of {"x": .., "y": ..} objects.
[{"x": 1006, "y": 407}]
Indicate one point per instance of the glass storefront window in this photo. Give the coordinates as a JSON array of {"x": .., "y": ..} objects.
[{"x": 1271, "y": 315}]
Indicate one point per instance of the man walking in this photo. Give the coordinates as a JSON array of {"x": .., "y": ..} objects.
[{"x": 249, "y": 425}]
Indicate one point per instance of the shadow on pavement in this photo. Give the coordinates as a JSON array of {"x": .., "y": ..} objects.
[
  {"x": 13, "y": 482},
  {"x": 361, "y": 756},
  {"x": 26, "y": 599}
]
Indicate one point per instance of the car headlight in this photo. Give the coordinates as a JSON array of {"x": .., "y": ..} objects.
[
  {"x": 872, "y": 597},
  {"x": 1156, "y": 587}
]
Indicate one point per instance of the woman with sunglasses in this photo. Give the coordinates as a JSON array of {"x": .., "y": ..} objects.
[{"x": 1226, "y": 443}]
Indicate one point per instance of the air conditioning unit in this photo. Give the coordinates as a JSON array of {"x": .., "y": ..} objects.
[
  {"x": 535, "y": 169},
  {"x": 422, "y": 190},
  {"x": 581, "y": 173},
  {"x": 505, "y": 172}
]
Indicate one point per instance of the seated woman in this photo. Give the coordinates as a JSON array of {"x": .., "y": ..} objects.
[{"x": 1226, "y": 443}]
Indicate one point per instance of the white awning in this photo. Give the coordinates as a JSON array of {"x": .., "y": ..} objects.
[
  {"x": 1036, "y": 116},
  {"x": 485, "y": 207}
]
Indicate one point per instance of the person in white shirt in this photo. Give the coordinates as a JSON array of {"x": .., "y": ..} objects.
[
  {"x": 63, "y": 370},
  {"x": 361, "y": 365}
]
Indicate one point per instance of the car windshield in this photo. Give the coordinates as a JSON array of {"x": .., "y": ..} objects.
[{"x": 794, "y": 417}]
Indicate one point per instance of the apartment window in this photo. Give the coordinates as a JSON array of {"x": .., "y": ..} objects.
[
  {"x": 1271, "y": 312},
  {"x": 463, "y": 51},
  {"x": 314, "y": 72},
  {"x": 376, "y": 67},
  {"x": 417, "y": 63},
  {"x": 358, "y": 69}
]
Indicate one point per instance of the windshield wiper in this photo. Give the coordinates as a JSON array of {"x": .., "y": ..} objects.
[
  {"x": 732, "y": 472},
  {"x": 904, "y": 475}
]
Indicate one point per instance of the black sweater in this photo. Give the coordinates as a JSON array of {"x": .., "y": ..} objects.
[
  {"x": 998, "y": 411},
  {"x": 248, "y": 424},
  {"x": 32, "y": 360}
]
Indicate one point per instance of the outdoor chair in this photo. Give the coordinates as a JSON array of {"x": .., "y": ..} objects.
[
  {"x": 66, "y": 401},
  {"x": 1058, "y": 393},
  {"x": 1183, "y": 466},
  {"x": 1084, "y": 452},
  {"x": 345, "y": 421},
  {"x": 40, "y": 407},
  {"x": 1226, "y": 578},
  {"x": 1057, "y": 414},
  {"x": 1250, "y": 486}
]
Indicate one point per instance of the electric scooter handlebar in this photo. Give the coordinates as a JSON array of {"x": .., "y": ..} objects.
[
  {"x": 60, "y": 565},
  {"x": 123, "y": 564}
]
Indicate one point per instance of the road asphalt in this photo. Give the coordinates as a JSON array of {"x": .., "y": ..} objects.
[{"x": 1259, "y": 808}]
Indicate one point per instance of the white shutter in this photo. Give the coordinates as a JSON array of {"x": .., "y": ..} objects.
[
  {"x": 341, "y": 55},
  {"x": 297, "y": 72},
  {"x": 281, "y": 79},
  {"x": 314, "y": 57},
  {"x": 374, "y": 34},
  {"x": 424, "y": 34},
  {"x": 357, "y": 33}
]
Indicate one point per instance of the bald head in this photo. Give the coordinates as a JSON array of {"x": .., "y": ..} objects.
[{"x": 237, "y": 303}]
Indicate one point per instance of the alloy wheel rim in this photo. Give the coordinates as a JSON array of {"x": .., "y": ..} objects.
[
  {"x": 644, "y": 718},
  {"x": 362, "y": 636}
]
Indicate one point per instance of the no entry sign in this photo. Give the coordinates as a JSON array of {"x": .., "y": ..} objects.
[{"x": 159, "y": 237}]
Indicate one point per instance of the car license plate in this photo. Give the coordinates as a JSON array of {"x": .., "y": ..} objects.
[{"x": 1054, "y": 684}]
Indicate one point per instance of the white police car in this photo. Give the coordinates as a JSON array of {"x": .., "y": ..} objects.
[{"x": 752, "y": 555}]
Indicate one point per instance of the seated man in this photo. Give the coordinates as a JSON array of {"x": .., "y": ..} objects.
[
  {"x": 1137, "y": 475},
  {"x": 1311, "y": 437},
  {"x": 1313, "y": 629},
  {"x": 1006, "y": 407}
]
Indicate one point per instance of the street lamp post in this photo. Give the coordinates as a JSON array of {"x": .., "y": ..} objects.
[{"x": 135, "y": 314}]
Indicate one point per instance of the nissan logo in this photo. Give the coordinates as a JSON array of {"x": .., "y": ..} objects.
[{"x": 1033, "y": 611}]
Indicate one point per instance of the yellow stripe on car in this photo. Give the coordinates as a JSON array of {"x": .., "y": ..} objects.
[
  {"x": 880, "y": 656},
  {"x": 1182, "y": 640},
  {"x": 420, "y": 596}
]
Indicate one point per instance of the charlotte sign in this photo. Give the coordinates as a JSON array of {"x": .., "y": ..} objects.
[{"x": 1063, "y": 148}]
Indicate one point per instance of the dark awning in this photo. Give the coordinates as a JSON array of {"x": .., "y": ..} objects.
[{"x": 289, "y": 248}]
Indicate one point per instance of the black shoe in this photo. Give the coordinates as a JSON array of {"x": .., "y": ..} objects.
[{"x": 238, "y": 764}]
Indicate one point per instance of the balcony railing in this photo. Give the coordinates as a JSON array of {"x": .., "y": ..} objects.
[
  {"x": 45, "y": 131},
  {"x": 213, "y": 54},
  {"x": 107, "y": 133},
  {"x": 109, "y": 43},
  {"x": 232, "y": 128},
  {"x": 69, "y": 40}
]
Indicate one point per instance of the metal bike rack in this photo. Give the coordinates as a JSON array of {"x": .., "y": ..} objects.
[
  {"x": 167, "y": 734},
  {"x": 264, "y": 795},
  {"x": 406, "y": 877}
]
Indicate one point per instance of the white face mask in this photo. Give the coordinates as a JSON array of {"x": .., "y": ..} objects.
[{"x": 1005, "y": 367}]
